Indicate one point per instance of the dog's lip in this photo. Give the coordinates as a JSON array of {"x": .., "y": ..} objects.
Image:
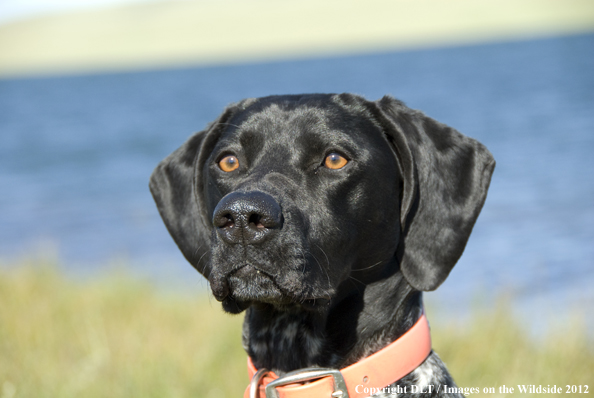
[
  {"x": 248, "y": 283},
  {"x": 315, "y": 303},
  {"x": 223, "y": 286},
  {"x": 219, "y": 288},
  {"x": 246, "y": 269}
]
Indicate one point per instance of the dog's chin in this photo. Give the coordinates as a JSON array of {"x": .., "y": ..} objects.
[
  {"x": 233, "y": 305},
  {"x": 248, "y": 286}
]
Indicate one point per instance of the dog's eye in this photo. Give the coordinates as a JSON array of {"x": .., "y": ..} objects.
[
  {"x": 229, "y": 163},
  {"x": 335, "y": 161}
]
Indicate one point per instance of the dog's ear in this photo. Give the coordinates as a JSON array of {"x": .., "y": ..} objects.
[
  {"x": 176, "y": 186},
  {"x": 446, "y": 176}
]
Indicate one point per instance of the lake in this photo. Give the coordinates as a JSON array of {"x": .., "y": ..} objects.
[{"x": 76, "y": 153}]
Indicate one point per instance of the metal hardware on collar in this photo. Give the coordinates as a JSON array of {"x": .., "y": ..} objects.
[
  {"x": 255, "y": 382},
  {"x": 340, "y": 388}
]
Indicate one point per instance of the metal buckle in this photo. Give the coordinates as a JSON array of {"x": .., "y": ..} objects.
[
  {"x": 340, "y": 389},
  {"x": 255, "y": 382}
]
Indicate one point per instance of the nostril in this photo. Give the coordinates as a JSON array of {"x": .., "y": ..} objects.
[
  {"x": 255, "y": 220},
  {"x": 229, "y": 224},
  {"x": 224, "y": 221}
]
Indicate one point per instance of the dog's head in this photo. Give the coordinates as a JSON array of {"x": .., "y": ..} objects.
[{"x": 282, "y": 199}]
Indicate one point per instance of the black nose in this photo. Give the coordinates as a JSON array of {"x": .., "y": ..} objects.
[{"x": 247, "y": 217}]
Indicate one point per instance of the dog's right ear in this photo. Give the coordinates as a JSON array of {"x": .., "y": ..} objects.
[
  {"x": 174, "y": 186},
  {"x": 445, "y": 177}
]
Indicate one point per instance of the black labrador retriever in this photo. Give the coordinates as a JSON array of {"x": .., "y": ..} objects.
[{"x": 325, "y": 216}]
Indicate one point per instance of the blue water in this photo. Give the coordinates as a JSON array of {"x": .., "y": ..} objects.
[{"x": 76, "y": 153}]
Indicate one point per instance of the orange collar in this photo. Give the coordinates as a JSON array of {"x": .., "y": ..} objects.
[{"x": 361, "y": 379}]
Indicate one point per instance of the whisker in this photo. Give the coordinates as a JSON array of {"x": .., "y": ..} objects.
[
  {"x": 209, "y": 293},
  {"x": 327, "y": 260},
  {"x": 200, "y": 259},
  {"x": 304, "y": 261},
  {"x": 355, "y": 279},
  {"x": 226, "y": 124},
  {"x": 322, "y": 269},
  {"x": 198, "y": 249},
  {"x": 366, "y": 268}
]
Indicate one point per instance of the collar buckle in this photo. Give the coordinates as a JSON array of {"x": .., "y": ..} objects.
[
  {"x": 340, "y": 388},
  {"x": 255, "y": 382}
]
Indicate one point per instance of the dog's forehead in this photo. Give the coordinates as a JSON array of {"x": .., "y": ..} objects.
[
  {"x": 300, "y": 124},
  {"x": 278, "y": 121}
]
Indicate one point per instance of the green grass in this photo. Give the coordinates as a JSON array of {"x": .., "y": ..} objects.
[
  {"x": 493, "y": 351},
  {"x": 113, "y": 337},
  {"x": 117, "y": 337}
]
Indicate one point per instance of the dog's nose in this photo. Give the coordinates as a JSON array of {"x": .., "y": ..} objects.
[{"x": 247, "y": 217}]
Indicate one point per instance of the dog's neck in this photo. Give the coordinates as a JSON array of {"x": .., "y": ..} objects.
[{"x": 358, "y": 322}]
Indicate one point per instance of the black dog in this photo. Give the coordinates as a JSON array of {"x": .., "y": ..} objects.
[{"x": 325, "y": 217}]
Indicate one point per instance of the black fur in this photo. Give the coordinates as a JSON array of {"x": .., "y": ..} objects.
[{"x": 339, "y": 272}]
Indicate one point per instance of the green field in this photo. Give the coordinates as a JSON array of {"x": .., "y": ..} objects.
[{"x": 115, "y": 336}]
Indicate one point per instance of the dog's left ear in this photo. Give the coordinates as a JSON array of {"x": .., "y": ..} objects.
[
  {"x": 446, "y": 176},
  {"x": 176, "y": 186}
]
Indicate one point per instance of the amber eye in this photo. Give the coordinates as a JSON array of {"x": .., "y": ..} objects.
[
  {"x": 335, "y": 161},
  {"x": 229, "y": 163}
]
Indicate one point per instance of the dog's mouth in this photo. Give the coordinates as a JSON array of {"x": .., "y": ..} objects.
[{"x": 248, "y": 284}]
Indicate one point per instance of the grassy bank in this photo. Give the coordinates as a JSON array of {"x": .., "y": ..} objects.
[{"x": 117, "y": 337}]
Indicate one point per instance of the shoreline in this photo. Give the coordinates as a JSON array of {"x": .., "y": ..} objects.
[{"x": 186, "y": 34}]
